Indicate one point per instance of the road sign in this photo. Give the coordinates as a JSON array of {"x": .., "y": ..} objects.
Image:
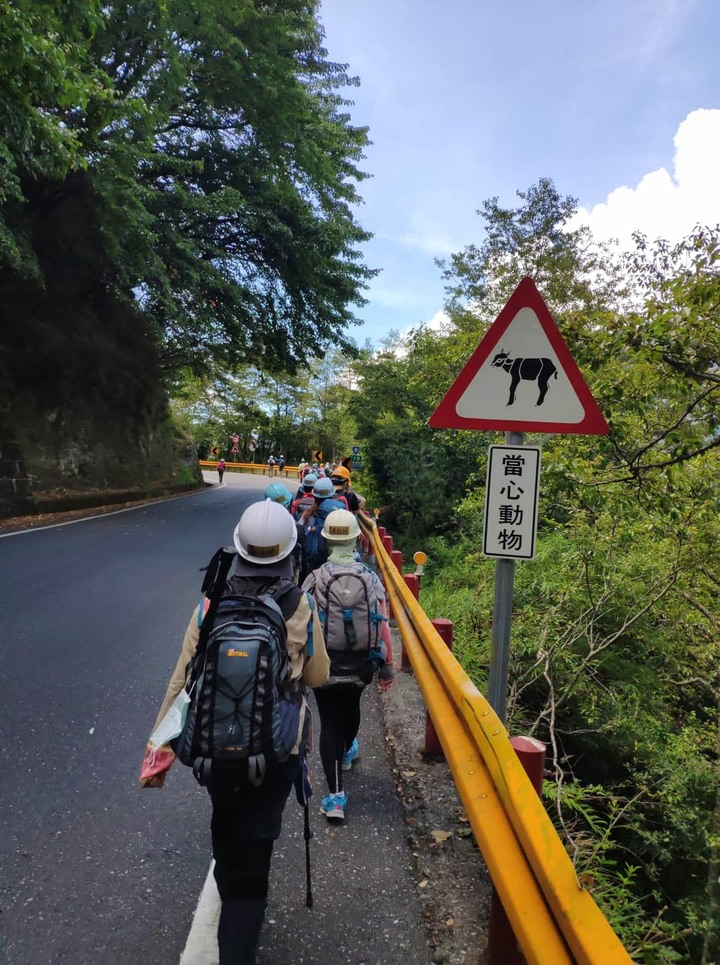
[
  {"x": 356, "y": 450},
  {"x": 318, "y": 455},
  {"x": 511, "y": 501},
  {"x": 252, "y": 446},
  {"x": 521, "y": 377}
]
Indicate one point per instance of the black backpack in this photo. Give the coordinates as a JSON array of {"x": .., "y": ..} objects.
[{"x": 244, "y": 710}]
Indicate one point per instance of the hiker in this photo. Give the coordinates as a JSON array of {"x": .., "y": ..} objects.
[
  {"x": 340, "y": 479},
  {"x": 312, "y": 519},
  {"x": 281, "y": 464},
  {"x": 303, "y": 497},
  {"x": 271, "y": 465},
  {"x": 248, "y": 794},
  {"x": 351, "y": 602},
  {"x": 221, "y": 469},
  {"x": 282, "y": 495}
]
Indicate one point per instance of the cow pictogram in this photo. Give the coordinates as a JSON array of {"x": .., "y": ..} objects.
[{"x": 530, "y": 370}]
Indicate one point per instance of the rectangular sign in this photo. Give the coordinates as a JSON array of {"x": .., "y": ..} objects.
[{"x": 511, "y": 502}]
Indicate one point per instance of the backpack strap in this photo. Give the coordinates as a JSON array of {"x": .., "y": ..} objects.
[
  {"x": 215, "y": 579},
  {"x": 310, "y": 645},
  {"x": 281, "y": 595},
  {"x": 212, "y": 570}
]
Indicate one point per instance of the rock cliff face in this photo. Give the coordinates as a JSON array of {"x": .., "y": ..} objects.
[
  {"x": 84, "y": 406},
  {"x": 83, "y": 403}
]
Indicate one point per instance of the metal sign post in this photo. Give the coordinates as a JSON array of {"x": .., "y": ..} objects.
[{"x": 501, "y": 622}]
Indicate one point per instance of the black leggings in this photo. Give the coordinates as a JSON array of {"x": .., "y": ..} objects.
[
  {"x": 246, "y": 820},
  {"x": 339, "y": 709}
]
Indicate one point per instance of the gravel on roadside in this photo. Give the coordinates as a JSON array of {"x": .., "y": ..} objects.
[{"x": 454, "y": 883}]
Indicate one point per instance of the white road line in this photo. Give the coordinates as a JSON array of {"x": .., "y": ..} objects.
[
  {"x": 201, "y": 946},
  {"x": 115, "y": 512}
]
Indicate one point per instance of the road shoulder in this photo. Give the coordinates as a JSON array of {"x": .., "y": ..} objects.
[{"x": 453, "y": 881}]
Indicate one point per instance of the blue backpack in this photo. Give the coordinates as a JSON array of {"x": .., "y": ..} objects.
[{"x": 316, "y": 549}]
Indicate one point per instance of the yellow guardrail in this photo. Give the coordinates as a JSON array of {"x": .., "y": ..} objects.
[
  {"x": 253, "y": 467},
  {"x": 555, "y": 920}
]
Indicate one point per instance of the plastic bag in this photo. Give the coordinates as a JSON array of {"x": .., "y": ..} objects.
[{"x": 173, "y": 722}]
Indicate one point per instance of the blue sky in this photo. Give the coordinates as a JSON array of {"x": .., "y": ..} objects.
[{"x": 469, "y": 100}]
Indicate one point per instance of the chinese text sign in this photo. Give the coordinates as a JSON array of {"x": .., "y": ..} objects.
[{"x": 511, "y": 500}]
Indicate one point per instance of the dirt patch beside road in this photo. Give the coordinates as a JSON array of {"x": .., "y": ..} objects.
[{"x": 452, "y": 878}]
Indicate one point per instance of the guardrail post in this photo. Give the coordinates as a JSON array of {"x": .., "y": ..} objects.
[
  {"x": 387, "y": 542},
  {"x": 503, "y": 948},
  {"x": 432, "y": 743},
  {"x": 381, "y": 531},
  {"x": 412, "y": 580}
]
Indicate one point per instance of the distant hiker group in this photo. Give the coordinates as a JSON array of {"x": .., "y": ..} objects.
[{"x": 290, "y": 607}]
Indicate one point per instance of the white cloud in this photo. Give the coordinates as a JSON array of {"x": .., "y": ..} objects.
[
  {"x": 402, "y": 298},
  {"x": 424, "y": 236},
  {"x": 440, "y": 322},
  {"x": 665, "y": 205}
]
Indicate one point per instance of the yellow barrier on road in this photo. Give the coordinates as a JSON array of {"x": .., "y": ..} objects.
[
  {"x": 252, "y": 467},
  {"x": 553, "y": 917}
]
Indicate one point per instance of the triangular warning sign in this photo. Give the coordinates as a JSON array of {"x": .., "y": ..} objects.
[{"x": 521, "y": 377}]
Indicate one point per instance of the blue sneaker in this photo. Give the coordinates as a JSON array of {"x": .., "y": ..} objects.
[
  {"x": 333, "y": 806},
  {"x": 350, "y": 755}
]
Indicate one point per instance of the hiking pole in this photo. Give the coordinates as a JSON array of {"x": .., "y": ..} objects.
[
  {"x": 303, "y": 791},
  {"x": 308, "y": 835}
]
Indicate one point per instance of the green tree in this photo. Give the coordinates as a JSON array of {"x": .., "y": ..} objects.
[
  {"x": 206, "y": 155},
  {"x": 614, "y": 642},
  {"x": 293, "y": 414}
]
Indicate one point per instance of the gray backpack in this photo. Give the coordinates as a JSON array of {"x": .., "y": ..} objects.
[{"x": 349, "y": 608}]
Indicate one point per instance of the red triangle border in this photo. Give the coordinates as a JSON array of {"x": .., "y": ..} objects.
[{"x": 525, "y": 295}]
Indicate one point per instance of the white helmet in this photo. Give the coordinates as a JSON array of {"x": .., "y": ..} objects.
[
  {"x": 341, "y": 526},
  {"x": 323, "y": 488},
  {"x": 266, "y": 533}
]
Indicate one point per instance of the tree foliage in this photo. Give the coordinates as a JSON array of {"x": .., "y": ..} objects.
[
  {"x": 207, "y": 157},
  {"x": 293, "y": 414}
]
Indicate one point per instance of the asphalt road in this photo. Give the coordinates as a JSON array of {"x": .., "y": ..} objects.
[{"x": 95, "y": 870}]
